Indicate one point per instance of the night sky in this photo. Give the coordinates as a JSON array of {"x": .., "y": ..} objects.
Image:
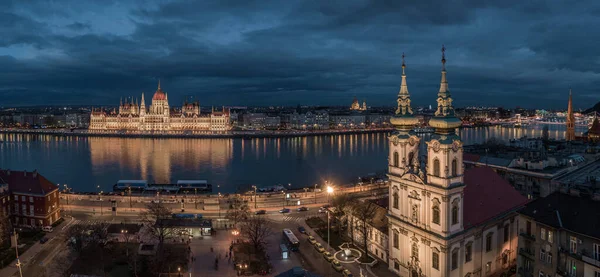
[{"x": 504, "y": 53}]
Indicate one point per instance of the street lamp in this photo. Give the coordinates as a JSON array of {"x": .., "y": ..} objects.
[
  {"x": 179, "y": 270},
  {"x": 101, "y": 204},
  {"x": 329, "y": 191},
  {"x": 219, "y": 203},
  {"x": 328, "y": 245},
  {"x": 195, "y": 196},
  {"x": 283, "y": 197},
  {"x": 315, "y": 190},
  {"x": 130, "y": 205}
]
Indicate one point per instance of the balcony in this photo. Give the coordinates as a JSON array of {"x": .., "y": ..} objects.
[
  {"x": 523, "y": 272},
  {"x": 527, "y": 252},
  {"x": 527, "y": 236},
  {"x": 590, "y": 260}
]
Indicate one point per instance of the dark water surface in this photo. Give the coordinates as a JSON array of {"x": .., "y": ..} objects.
[{"x": 85, "y": 163}]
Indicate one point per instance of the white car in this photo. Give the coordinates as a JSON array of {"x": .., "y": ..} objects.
[{"x": 47, "y": 229}]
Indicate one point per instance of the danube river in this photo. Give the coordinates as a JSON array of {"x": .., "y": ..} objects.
[{"x": 84, "y": 163}]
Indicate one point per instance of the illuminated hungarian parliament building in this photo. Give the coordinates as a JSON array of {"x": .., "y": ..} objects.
[{"x": 159, "y": 117}]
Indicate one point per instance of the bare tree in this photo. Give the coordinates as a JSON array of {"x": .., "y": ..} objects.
[
  {"x": 365, "y": 213},
  {"x": 342, "y": 203},
  {"x": 5, "y": 229},
  {"x": 238, "y": 210},
  {"x": 256, "y": 230},
  {"x": 156, "y": 220}
]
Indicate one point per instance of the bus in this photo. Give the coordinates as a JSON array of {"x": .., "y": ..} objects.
[{"x": 290, "y": 240}]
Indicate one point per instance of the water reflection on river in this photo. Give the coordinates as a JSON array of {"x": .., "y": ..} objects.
[{"x": 85, "y": 163}]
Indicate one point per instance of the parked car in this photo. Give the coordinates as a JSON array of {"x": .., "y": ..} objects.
[
  {"x": 43, "y": 240},
  {"x": 311, "y": 239},
  {"x": 284, "y": 211},
  {"x": 47, "y": 229},
  {"x": 319, "y": 247},
  {"x": 302, "y": 209},
  {"x": 347, "y": 273},
  {"x": 301, "y": 229},
  {"x": 327, "y": 256},
  {"x": 337, "y": 265},
  {"x": 323, "y": 209},
  {"x": 261, "y": 212}
]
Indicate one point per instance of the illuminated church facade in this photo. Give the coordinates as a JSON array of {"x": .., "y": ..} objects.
[
  {"x": 445, "y": 220},
  {"x": 159, "y": 117}
]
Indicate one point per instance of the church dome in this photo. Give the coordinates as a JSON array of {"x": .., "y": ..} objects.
[
  {"x": 159, "y": 94},
  {"x": 445, "y": 122},
  {"x": 407, "y": 120}
]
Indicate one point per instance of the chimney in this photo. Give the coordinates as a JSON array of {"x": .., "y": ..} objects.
[{"x": 34, "y": 173}]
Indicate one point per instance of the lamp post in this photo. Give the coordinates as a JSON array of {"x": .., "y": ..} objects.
[
  {"x": 195, "y": 196},
  {"x": 254, "y": 196},
  {"x": 329, "y": 191},
  {"x": 283, "y": 197},
  {"x": 219, "y": 203},
  {"x": 130, "y": 205},
  {"x": 328, "y": 228},
  {"x": 101, "y": 204},
  {"x": 179, "y": 270},
  {"x": 315, "y": 190},
  {"x": 17, "y": 253}
]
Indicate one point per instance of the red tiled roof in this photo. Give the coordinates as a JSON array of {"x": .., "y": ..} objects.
[
  {"x": 471, "y": 157},
  {"x": 487, "y": 195},
  {"x": 26, "y": 182}
]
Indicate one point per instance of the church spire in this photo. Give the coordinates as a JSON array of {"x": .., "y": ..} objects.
[
  {"x": 404, "y": 119},
  {"x": 158, "y": 84},
  {"x": 444, "y": 120}
]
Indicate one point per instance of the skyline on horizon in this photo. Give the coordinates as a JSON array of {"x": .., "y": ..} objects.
[{"x": 265, "y": 53}]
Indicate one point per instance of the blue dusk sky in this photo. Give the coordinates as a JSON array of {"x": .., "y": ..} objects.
[{"x": 258, "y": 52}]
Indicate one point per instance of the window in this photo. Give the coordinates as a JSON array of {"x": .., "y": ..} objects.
[
  {"x": 542, "y": 255},
  {"x": 573, "y": 245},
  {"x": 396, "y": 240},
  {"x": 543, "y": 234},
  {"x": 549, "y": 258},
  {"x": 529, "y": 227},
  {"x": 31, "y": 199},
  {"x": 488, "y": 267},
  {"x": 411, "y": 155},
  {"x": 454, "y": 214},
  {"x": 16, "y": 198},
  {"x": 550, "y": 236},
  {"x": 436, "y": 167},
  {"x": 454, "y": 167},
  {"x": 572, "y": 268},
  {"x": 396, "y": 159},
  {"x": 435, "y": 261},
  {"x": 395, "y": 200},
  {"x": 488, "y": 242},
  {"x": 506, "y": 232},
  {"x": 454, "y": 259},
  {"x": 468, "y": 252},
  {"x": 436, "y": 215},
  {"x": 597, "y": 252},
  {"x": 31, "y": 210},
  {"x": 23, "y": 198},
  {"x": 597, "y": 274},
  {"x": 396, "y": 265}
]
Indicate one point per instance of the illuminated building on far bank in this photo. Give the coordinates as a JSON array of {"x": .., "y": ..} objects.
[{"x": 159, "y": 117}]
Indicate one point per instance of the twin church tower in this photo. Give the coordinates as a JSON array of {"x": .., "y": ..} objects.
[{"x": 440, "y": 223}]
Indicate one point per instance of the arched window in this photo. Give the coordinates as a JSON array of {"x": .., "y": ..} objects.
[
  {"x": 411, "y": 155},
  {"x": 455, "y": 259},
  {"x": 454, "y": 214},
  {"x": 396, "y": 159},
  {"x": 436, "y": 167},
  {"x": 436, "y": 215},
  {"x": 454, "y": 168},
  {"x": 395, "y": 200}
]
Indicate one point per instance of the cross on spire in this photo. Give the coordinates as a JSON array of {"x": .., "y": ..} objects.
[
  {"x": 158, "y": 83},
  {"x": 403, "y": 65},
  {"x": 443, "y": 57}
]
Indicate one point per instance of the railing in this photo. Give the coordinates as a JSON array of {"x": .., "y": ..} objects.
[
  {"x": 527, "y": 252},
  {"x": 527, "y": 236},
  {"x": 590, "y": 260}
]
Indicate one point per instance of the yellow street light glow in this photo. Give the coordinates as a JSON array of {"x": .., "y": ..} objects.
[{"x": 329, "y": 189}]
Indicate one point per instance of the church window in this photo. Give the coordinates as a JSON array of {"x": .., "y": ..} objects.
[
  {"x": 455, "y": 259},
  {"x": 396, "y": 159},
  {"x": 488, "y": 242},
  {"x": 506, "y": 233},
  {"x": 454, "y": 168},
  {"x": 415, "y": 213},
  {"x": 436, "y": 167},
  {"x": 436, "y": 215},
  {"x": 468, "y": 252},
  {"x": 454, "y": 214},
  {"x": 396, "y": 240},
  {"x": 435, "y": 260},
  {"x": 411, "y": 156},
  {"x": 395, "y": 200}
]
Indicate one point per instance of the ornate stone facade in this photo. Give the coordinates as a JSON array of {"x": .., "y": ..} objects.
[
  {"x": 159, "y": 117},
  {"x": 429, "y": 233}
]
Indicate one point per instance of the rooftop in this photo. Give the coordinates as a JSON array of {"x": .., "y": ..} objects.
[
  {"x": 26, "y": 182},
  {"x": 487, "y": 195},
  {"x": 575, "y": 213}
]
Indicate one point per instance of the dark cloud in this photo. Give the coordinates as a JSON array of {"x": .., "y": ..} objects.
[{"x": 257, "y": 52}]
